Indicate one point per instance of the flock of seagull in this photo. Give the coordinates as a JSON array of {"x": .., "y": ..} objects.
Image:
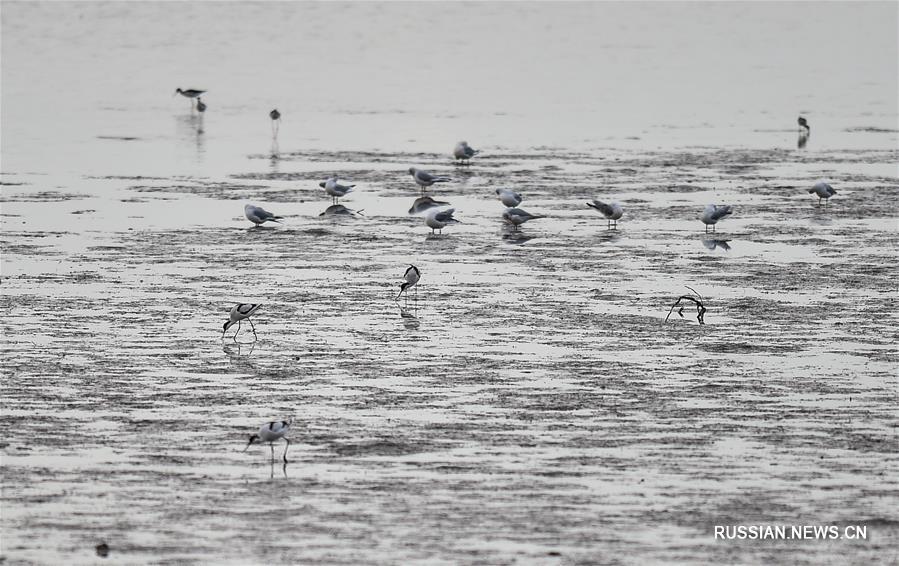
[{"x": 438, "y": 216}]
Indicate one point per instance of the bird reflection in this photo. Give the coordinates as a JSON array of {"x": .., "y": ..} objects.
[
  {"x": 803, "y": 139},
  {"x": 422, "y": 204},
  {"x": 513, "y": 235},
  {"x": 275, "y": 153},
  {"x": 712, "y": 244},
  {"x": 340, "y": 210},
  {"x": 189, "y": 128},
  {"x": 238, "y": 352},
  {"x": 805, "y": 131},
  {"x": 283, "y": 469},
  {"x": 409, "y": 318}
]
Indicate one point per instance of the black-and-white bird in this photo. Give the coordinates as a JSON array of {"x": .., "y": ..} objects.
[
  {"x": 424, "y": 179},
  {"x": 335, "y": 189},
  {"x": 713, "y": 213},
  {"x": 270, "y": 433},
  {"x": 509, "y": 198},
  {"x": 190, "y": 93},
  {"x": 412, "y": 276},
  {"x": 258, "y": 215},
  {"x": 464, "y": 152},
  {"x": 201, "y": 106},
  {"x": 438, "y": 219},
  {"x": 422, "y": 204},
  {"x": 516, "y": 217},
  {"x": 241, "y": 312},
  {"x": 612, "y": 211},
  {"x": 824, "y": 191},
  {"x": 803, "y": 126}
]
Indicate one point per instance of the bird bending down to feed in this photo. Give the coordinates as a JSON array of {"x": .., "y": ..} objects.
[
  {"x": 464, "y": 152},
  {"x": 271, "y": 432},
  {"x": 336, "y": 190},
  {"x": 516, "y": 217},
  {"x": 438, "y": 219},
  {"x": 824, "y": 191},
  {"x": 240, "y": 312},
  {"x": 422, "y": 204},
  {"x": 189, "y": 93},
  {"x": 424, "y": 179},
  {"x": 411, "y": 277},
  {"x": 258, "y": 215},
  {"x": 201, "y": 106},
  {"x": 713, "y": 213},
  {"x": 612, "y": 211},
  {"x": 509, "y": 198},
  {"x": 803, "y": 126}
]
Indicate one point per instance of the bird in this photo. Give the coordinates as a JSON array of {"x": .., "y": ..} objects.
[
  {"x": 425, "y": 179},
  {"x": 276, "y": 121},
  {"x": 201, "y": 106},
  {"x": 271, "y": 432},
  {"x": 824, "y": 191},
  {"x": 611, "y": 211},
  {"x": 411, "y": 277},
  {"x": 464, "y": 152},
  {"x": 438, "y": 219},
  {"x": 516, "y": 217},
  {"x": 190, "y": 93},
  {"x": 258, "y": 215},
  {"x": 242, "y": 311},
  {"x": 340, "y": 210},
  {"x": 509, "y": 198},
  {"x": 336, "y": 190},
  {"x": 422, "y": 204},
  {"x": 803, "y": 125},
  {"x": 713, "y": 213}
]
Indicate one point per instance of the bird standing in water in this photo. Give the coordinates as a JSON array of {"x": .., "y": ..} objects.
[
  {"x": 713, "y": 213},
  {"x": 464, "y": 152},
  {"x": 824, "y": 192},
  {"x": 190, "y": 93},
  {"x": 611, "y": 211},
  {"x": 276, "y": 121},
  {"x": 271, "y": 432},
  {"x": 241, "y": 312},
  {"x": 412, "y": 276}
]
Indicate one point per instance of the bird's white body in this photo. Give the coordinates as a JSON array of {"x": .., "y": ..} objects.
[
  {"x": 424, "y": 179},
  {"x": 509, "y": 198},
  {"x": 823, "y": 190},
  {"x": 463, "y": 151},
  {"x": 258, "y": 215},
  {"x": 411, "y": 278},
  {"x": 240, "y": 312},
  {"x": 335, "y": 189},
  {"x": 713, "y": 213},
  {"x": 438, "y": 219},
  {"x": 517, "y": 217},
  {"x": 612, "y": 211},
  {"x": 270, "y": 433}
]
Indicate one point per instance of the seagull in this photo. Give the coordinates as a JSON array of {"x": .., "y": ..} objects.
[
  {"x": 271, "y": 432},
  {"x": 611, "y": 211},
  {"x": 340, "y": 210},
  {"x": 276, "y": 121},
  {"x": 509, "y": 198},
  {"x": 240, "y": 312},
  {"x": 438, "y": 219},
  {"x": 258, "y": 215},
  {"x": 422, "y": 204},
  {"x": 713, "y": 214},
  {"x": 464, "y": 152},
  {"x": 824, "y": 191},
  {"x": 516, "y": 217},
  {"x": 201, "y": 106},
  {"x": 189, "y": 93},
  {"x": 336, "y": 190},
  {"x": 425, "y": 179},
  {"x": 411, "y": 277},
  {"x": 803, "y": 125}
]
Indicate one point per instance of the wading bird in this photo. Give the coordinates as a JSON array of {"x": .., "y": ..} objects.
[
  {"x": 271, "y": 432},
  {"x": 258, "y": 215},
  {"x": 438, "y": 219},
  {"x": 336, "y": 190},
  {"x": 424, "y": 179},
  {"x": 276, "y": 121},
  {"x": 464, "y": 152},
  {"x": 411, "y": 277},
  {"x": 824, "y": 191},
  {"x": 713, "y": 213},
  {"x": 240, "y": 312},
  {"x": 509, "y": 198},
  {"x": 612, "y": 211},
  {"x": 516, "y": 217},
  {"x": 189, "y": 93}
]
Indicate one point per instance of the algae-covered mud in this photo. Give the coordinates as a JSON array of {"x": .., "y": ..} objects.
[{"x": 526, "y": 402}]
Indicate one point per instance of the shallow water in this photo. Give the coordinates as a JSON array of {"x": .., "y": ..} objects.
[{"x": 530, "y": 405}]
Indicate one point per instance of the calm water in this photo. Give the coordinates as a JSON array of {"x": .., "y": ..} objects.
[{"x": 530, "y": 406}]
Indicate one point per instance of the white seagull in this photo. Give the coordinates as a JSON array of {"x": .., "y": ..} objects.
[
  {"x": 412, "y": 276},
  {"x": 438, "y": 219},
  {"x": 425, "y": 179},
  {"x": 258, "y": 215},
  {"x": 335, "y": 189},
  {"x": 712, "y": 214},
  {"x": 516, "y": 217},
  {"x": 464, "y": 152},
  {"x": 240, "y": 312},
  {"x": 611, "y": 211},
  {"x": 824, "y": 191},
  {"x": 271, "y": 432},
  {"x": 509, "y": 198}
]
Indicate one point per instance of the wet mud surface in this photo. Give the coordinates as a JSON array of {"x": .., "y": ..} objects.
[{"x": 526, "y": 404}]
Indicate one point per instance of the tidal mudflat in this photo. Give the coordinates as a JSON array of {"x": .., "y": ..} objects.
[{"x": 527, "y": 405}]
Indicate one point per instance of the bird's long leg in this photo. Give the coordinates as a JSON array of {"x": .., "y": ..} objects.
[
  {"x": 272, "y": 446},
  {"x": 236, "y": 332},
  {"x": 253, "y": 327},
  {"x": 287, "y": 440}
]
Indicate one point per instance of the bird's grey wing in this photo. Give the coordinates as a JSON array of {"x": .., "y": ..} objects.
[
  {"x": 425, "y": 177},
  {"x": 602, "y": 207}
]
